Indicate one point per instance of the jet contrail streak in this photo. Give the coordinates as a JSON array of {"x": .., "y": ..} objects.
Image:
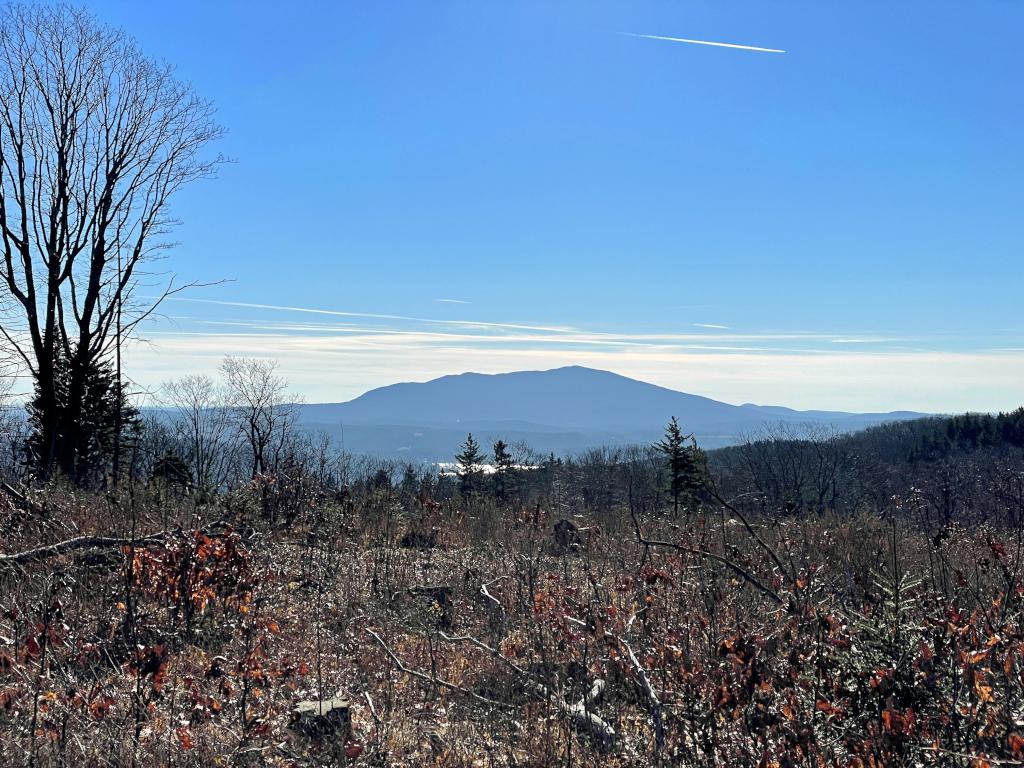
[{"x": 704, "y": 42}]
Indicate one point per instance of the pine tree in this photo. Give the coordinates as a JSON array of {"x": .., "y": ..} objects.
[
  {"x": 503, "y": 471},
  {"x": 96, "y": 432},
  {"x": 468, "y": 465},
  {"x": 687, "y": 464},
  {"x": 886, "y": 640}
]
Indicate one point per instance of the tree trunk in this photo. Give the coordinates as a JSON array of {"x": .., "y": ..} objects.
[{"x": 73, "y": 414}]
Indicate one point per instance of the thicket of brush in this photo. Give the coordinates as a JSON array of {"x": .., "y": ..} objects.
[{"x": 810, "y": 604}]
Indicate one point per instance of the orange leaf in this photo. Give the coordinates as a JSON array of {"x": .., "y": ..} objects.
[
  {"x": 184, "y": 737},
  {"x": 1016, "y": 742},
  {"x": 98, "y": 708}
]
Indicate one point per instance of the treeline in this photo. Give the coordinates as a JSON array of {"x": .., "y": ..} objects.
[{"x": 938, "y": 437}]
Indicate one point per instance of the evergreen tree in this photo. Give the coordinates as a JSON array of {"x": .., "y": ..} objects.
[
  {"x": 105, "y": 416},
  {"x": 468, "y": 463},
  {"x": 410, "y": 481},
  {"x": 503, "y": 471},
  {"x": 687, "y": 464}
]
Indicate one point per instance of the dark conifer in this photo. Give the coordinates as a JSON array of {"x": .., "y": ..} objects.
[{"x": 468, "y": 465}]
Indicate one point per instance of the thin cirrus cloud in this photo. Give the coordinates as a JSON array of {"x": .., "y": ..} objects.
[
  {"x": 451, "y": 301},
  {"x": 860, "y": 341},
  {"x": 368, "y": 315},
  {"x": 508, "y": 333},
  {"x": 331, "y": 355},
  {"x": 376, "y": 326},
  {"x": 704, "y": 42},
  {"x": 329, "y": 369}
]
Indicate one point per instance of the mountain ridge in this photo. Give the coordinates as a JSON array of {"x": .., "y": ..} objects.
[{"x": 586, "y": 403}]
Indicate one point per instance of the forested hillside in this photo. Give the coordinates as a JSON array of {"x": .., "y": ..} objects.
[{"x": 961, "y": 458}]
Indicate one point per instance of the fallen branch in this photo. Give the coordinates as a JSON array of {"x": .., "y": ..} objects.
[
  {"x": 651, "y": 699},
  {"x": 497, "y": 610},
  {"x": 602, "y": 733},
  {"x": 373, "y": 710},
  {"x": 90, "y": 542},
  {"x": 21, "y": 500},
  {"x": 581, "y": 717},
  {"x": 431, "y": 678},
  {"x": 488, "y": 596},
  {"x": 650, "y": 696},
  {"x": 736, "y": 568},
  {"x": 79, "y": 542}
]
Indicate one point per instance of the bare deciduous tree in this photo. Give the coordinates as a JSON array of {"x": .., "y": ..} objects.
[
  {"x": 204, "y": 422},
  {"x": 264, "y": 415},
  {"x": 95, "y": 139}
]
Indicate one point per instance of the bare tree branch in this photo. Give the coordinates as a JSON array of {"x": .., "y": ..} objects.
[
  {"x": 430, "y": 678},
  {"x": 736, "y": 568}
]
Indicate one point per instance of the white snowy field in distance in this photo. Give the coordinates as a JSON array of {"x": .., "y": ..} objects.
[{"x": 451, "y": 469}]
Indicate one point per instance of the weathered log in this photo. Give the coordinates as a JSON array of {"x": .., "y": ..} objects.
[
  {"x": 21, "y": 501},
  {"x": 79, "y": 542}
]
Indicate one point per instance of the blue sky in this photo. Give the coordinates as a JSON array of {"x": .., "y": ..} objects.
[{"x": 848, "y": 211}]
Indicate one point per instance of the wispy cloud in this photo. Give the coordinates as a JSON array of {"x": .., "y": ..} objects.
[
  {"x": 370, "y": 315},
  {"x": 370, "y": 326},
  {"x": 452, "y": 301},
  {"x": 335, "y": 354},
  {"x": 331, "y": 369},
  {"x": 861, "y": 341},
  {"x": 704, "y": 42},
  {"x": 505, "y": 334},
  {"x": 310, "y": 310}
]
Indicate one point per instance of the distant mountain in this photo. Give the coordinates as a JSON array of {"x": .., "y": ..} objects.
[{"x": 561, "y": 410}]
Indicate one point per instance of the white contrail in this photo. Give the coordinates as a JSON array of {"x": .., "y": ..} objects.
[{"x": 704, "y": 42}]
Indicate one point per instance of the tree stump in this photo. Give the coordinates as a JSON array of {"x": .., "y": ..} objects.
[
  {"x": 326, "y": 723},
  {"x": 416, "y": 538},
  {"x": 568, "y": 537},
  {"x": 565, "y": 537},
  {"x": 442, "y": 597}
]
